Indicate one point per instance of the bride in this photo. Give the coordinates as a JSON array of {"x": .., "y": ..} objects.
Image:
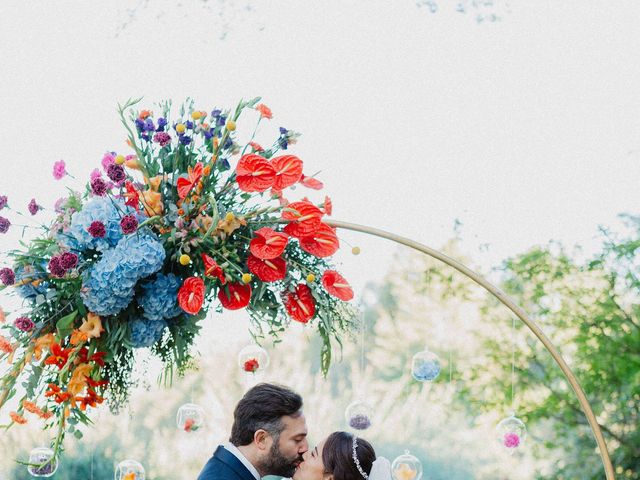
[{"x": 343, "y": 456}]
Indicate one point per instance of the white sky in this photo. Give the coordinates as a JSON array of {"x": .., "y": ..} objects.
[{"x": 526, "y": 129}]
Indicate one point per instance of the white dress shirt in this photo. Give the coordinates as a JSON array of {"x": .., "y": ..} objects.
[{"x": 234, "y": 450}]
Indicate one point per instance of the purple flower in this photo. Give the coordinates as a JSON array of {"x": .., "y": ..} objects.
[
  {"x": 59, "y": 170},
  {"x": 139, "y": 124},
  {"x": 108, "y": 159},
  {"x": 33, "y": 207},
  {"x": 7, "y": 277},
  {"x": 129, "y": 224},
  {"x": 359, "y": 422},
  {"x": 116, "y": 173},
  {"x": 97, "y": 229},
  {"x": 162, "y": 122},
  {"x": 145, "y": 136},
  {"x": 56, "y": 268},
  {"x": 3, "y": 201},
  {"x": 189, "y": 124},
  {"x": 208, "y": 134},
  {"x": 149, "y": 126},
  {"x": 4, "y": 225},
  {"x": 68, "y": 260},
  {"x": 24, "y": 323},
  {"x": 185, "y": 139},
  {"x": 99, "y": 186},
  {"x": 163, "y": 138}
]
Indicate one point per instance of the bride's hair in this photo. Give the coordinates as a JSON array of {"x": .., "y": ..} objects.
[{"x": 342, "y": 461}]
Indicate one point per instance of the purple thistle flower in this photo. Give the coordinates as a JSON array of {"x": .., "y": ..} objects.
[
  {"x": 97, "y": 229},
  {"x": 98, "y": 186},
  {"x": 7, "y": 277},
  {"x": 149, "y": 126},
  {"x": 56, "y": 268},
  {"x": 129, "y": 224},
  {"x": 208, "y": 134},
  {"x": 116, "y": 173},
  {"x": 162, "y": 122},
  {"x": 139, "y": 124},
  {"x": 33, "y": 207},
  {"x": 68, "y": 260},
  {"x": 24, "y": 323},
  {"x": 4, "y": 225},
  {"x": 185, "y": 139},
  {"x": 189, "y": 124},
  {"x": 163, "y": 138},
  {"x": 3, "y": 201},
  {"x": 145, "y": 136},
  {"x": 59, "y": 170}
]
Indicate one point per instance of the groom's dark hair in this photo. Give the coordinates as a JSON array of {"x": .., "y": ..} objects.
[{"x": 262, "y": 408}]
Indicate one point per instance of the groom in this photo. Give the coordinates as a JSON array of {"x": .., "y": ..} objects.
[{"x": 268, "y": 437}]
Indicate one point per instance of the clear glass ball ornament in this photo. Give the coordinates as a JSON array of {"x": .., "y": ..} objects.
[
  {"x": 130, "y": 470},
  {"x": 190, "y": 417},
  {"x": 406, "y": 467},
  {"x": 41, "y": 463},
  {"x": 511, "y": 433},
  {"x": 359, "y": 415},
  {"x": 425, "y": 366}
]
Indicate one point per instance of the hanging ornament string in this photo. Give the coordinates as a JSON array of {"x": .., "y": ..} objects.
[{"x": 513, "y": 359}]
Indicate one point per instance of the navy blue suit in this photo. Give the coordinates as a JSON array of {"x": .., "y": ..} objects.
[{"x": 224, "y": 465}]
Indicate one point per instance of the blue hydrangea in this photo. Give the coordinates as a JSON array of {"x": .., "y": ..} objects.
[
  {"x": 159, "y": 298},
  {"x": 102, "y": 209},
  {"x": 145, "y": 333},
  {"x": 109, "y": 285}
]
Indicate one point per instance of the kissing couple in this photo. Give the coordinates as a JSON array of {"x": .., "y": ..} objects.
[{"x": 269, "y": 437}]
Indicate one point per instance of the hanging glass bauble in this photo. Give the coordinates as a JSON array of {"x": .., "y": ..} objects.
[
  {"x": 41, "y": 463},
  {"x": 253, "y": 359},
  {"x": 129, "y": 470},
  {"x": 511, "y": 433},
  {"x": 406, "y": 467},
  {"x": 190, "y": 417},
  {"x": 359, "y": 415},
  {"x": 425, "y": 366}
]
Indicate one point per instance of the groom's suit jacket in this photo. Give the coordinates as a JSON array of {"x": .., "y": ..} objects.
[{"x": 224, "y": 465}]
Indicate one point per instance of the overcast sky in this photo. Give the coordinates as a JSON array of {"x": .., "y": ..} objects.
[{"x": 526, "y": 129}]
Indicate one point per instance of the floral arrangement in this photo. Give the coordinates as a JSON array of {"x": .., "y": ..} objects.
[{"x": 191, "y": 218}]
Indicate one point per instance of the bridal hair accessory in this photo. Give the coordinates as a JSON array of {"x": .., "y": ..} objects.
[{"x": 355, "y": 458}]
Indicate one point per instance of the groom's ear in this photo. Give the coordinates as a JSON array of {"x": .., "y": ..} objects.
[{"x": 261, "y": 439}]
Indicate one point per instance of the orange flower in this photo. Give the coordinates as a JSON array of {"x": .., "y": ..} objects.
[
  {"x": 144, "y": 114},
  {"x": 79, "y": 378},
  {"x": 132, "y": 163},
  {"x": 30, "y": 406},
  {"x": 78, "y": 337},
  {"x": 265, "y": 112},
  {"x": 92, "y": 326},
  {"x": 59, "y": 356},
  {"x": 129, "y": 476},
  {"x": 19, "y": 419},
  {"x": 152, "y": 202},
  {"x": 5, "y": 346},
  {"x": 2, "y": 316},
  {"x": 154, "y": 182},
  {"x": 43, "y": 342}
]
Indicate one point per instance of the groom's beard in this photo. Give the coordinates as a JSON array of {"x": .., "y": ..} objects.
[{"x": 277, "y": 464}]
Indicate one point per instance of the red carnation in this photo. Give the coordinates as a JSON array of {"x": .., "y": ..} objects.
[
  {"x": 191, "y": 295},
  {"x": 304, "y": 218},
  {"x": 251, "y": 365},
  {"x": 235, "y": 296},
  {"x": 268, "y": 243},
  {"x": 322, "y": 243},
  {"x": 288, "y": 170},
  {"x": 336, "y": 285},
  {"x": 254, "y": 173},
  {"x": 300, "y": 303},
  {"x": 267, "y": 270}
]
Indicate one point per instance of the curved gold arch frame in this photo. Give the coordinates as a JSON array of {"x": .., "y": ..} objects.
[{"x": 511, "y": 305}]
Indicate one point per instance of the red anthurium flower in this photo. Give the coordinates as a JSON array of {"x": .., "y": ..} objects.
[
  {"x": 238, "y": 296},
  {"x": 288, "y": 171},
  {"x": 311, "y": 182},
  {"x": 304, "y": 219},
  {"x": 212, "y": 269},
  {"x": 268, "y": 243},
  {"x": 267, "y": 270},
  {"x": 191, "y": 295},
  {"x": 336, "y": 285},
  {"x": 254, "y": 173},
  {"x": 59, "y": 356},
  {"x": 328, "y": 206},
  {"x": 300, "y": 303},
  {"x": 132, "y": 196},
  {"x": 322, "y": 243},
  {"x": 186, "y": 184},
  {"x": 98, "y": 358}
]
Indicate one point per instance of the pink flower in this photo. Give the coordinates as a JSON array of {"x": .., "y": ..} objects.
[
  {"x": 24, "y": 323},
  {"x": 108, "y": 159},
  {"x": 59, "y": 170},
  {"x": 95, "y": 174},
  {"x": 511, "y": 440}
]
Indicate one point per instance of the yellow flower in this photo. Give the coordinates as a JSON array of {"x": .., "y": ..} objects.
[
  {"x": 246, "y": 277},
  {"x": 196, "y": 115},
  {"x": 119, "y": 159},
  {"x": 184, "y": 259},
  {"x": 311, "y": 278},
  {"x": 355, "y": 250},
  {"x": 92, "y": 326},
  {"x": 230, "y": 224},
  {"x": 231, "y": 125},
  {"x": 180, "y": 128}
]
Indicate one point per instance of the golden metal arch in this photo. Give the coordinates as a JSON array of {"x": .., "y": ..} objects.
[{"x": 511, "y": 305}]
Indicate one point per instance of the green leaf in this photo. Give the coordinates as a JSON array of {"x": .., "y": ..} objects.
[{"x": 65, "y": 324}]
